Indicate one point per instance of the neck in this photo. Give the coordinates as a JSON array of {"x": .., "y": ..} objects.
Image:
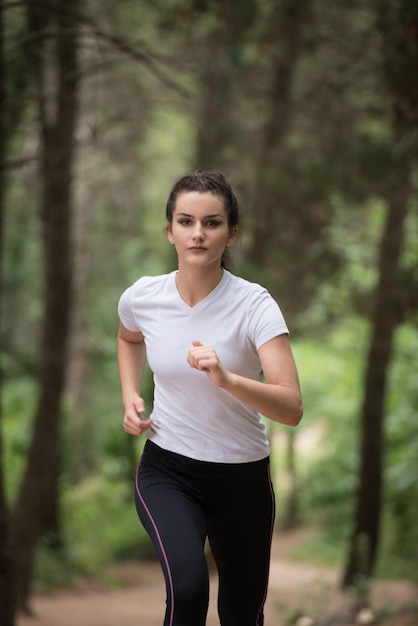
[{"x": 194, "y": 285}]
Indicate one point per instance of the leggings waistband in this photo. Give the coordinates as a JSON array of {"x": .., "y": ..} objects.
[{"x": 159, "y": 456}]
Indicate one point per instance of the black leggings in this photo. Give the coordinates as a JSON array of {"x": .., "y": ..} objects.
[{"x": 180, "y": 502}]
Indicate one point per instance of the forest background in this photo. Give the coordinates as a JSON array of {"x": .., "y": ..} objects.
[{"x": 311, "y": 109}]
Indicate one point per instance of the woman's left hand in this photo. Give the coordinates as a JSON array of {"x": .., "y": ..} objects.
[
  {"x": 205, "y": 359},
  {"x": 277, "y": 397}
]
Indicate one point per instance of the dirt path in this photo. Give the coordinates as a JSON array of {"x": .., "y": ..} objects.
[{"x": 295, "y": 589}]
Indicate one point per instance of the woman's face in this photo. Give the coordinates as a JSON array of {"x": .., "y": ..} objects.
[{"x": 200, "y": 230}]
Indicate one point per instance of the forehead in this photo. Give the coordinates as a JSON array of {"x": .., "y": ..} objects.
[{"x": 195, "y": 202}]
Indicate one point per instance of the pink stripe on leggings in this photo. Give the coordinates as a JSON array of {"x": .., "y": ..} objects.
[
  {"x": 271, "y": 538},
  {"x": 161, "y": 546}
]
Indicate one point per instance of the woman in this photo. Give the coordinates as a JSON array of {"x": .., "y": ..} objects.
[{"x": 204, "y": 471}]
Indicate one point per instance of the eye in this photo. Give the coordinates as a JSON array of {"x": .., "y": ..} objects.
[
  {"x": 184, "y": 221},
  {"x": 213, "y": 223}
]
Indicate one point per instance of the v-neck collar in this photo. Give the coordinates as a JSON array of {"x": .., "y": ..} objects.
[{"x": 206, "y": 300}]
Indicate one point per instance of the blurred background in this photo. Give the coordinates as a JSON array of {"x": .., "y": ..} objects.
[{"x": 310, "y": 108}]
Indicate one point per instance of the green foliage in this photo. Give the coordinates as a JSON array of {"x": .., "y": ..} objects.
[
  {"x": 354, "y": 235},
  {"x": 99, "y": 526},
  {"x": 53, "y": 568},
  {"x": 22, "y": 282},
  {"x": 328, "y": 493},
  {"x": 99, "y": 523},
  {"x": 320, "y": 547},
  {"x": 402, "y": 448},
  {"x": 330, "y": 374},
  {"x": 18, "y": 405},
  {"x": 327, "y": 480},
  {"x": 102, "y": 523}
]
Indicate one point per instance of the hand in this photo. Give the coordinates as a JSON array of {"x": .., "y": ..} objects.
[
  {"x": 132, "y": 422},
  {"x": 205, "y": 359}
]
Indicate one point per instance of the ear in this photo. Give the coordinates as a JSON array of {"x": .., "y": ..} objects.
[
  {"x": 233, "y": 233},
  {"x": 169, "y": 232}
]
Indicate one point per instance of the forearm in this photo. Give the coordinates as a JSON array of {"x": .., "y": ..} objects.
[
  {"x": 277, "y": 402},
  {"x": 131, "y": 363},
  {"x": 279, "y": 398}
]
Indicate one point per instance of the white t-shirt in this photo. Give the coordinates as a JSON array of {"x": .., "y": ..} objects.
[{"x": 192, "y": 416}]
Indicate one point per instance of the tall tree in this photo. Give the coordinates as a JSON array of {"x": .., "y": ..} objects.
[
  {"x": 37, "y": 499},
  {"x": 398, "y": 22},
  {"x": 15, "y": 73},
  {"x": 220, "y": 65},
  {"x": 6, "y": 574},
  {"x": 284, "y": 41}
]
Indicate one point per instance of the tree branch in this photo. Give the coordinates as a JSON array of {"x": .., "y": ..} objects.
[
  {"x": 15, "y": 163},
  {"x": 147, "y": 58}
]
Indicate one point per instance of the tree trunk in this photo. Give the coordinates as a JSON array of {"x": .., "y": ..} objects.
[
  {"x": 81, "y": 431},
  {"x": 364, "y": 541},
  {"x": 291, "y": 516},
  {"x": 213, "y": 106},
  {"x": 6, "y": 572},
  {"x": 398, "y": 22},
  {"x": 287, "y": 34},
  {"x": 37, "y": 500},
  {"x": 220, "y": 70}
]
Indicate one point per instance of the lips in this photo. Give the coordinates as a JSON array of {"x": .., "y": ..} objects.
[{"x": 197, "y": 248}]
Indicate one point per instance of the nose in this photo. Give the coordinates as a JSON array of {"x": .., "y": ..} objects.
[{"x": 198, "y": 232}]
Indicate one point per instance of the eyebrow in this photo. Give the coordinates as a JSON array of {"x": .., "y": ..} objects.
[{"x": 206, "y": 216}]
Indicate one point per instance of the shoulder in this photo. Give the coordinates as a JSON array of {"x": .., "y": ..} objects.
[
  {"x": 147, "y": 285},
  {"x": 144, "y": 290},
  {"x": 143, "y": 295},
  {"x": 246, "y": 289},
  {"x": 261, "y": 309}
]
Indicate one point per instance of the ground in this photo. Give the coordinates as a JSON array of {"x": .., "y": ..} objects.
[{"x": 296, "y": 590}]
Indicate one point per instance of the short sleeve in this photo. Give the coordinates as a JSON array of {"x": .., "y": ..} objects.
[
  {"x": 266, "y": 320},
  {"x": 126, "y": 309}
]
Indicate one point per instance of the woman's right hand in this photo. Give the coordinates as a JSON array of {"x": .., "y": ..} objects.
[{"x": 132, "y": 422}]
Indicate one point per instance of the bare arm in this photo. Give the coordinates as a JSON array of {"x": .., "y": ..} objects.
[
  {"x": 131, "y": 362},
  {"x": 278, "y": 398}
]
